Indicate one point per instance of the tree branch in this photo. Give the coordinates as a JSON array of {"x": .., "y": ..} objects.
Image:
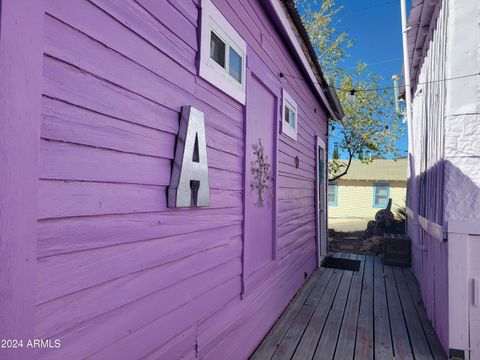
[{"x": 350, "y": 157}]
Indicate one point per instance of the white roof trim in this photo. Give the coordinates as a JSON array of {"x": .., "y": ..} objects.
[{"x": 280, "y": 12}]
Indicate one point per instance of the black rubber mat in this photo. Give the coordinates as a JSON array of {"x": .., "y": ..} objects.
[{"x": 343, "y": 264}]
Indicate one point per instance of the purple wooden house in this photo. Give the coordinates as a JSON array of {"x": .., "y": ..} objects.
[
  {"x": 444, "y": 185},
  {"x": 162, "y": 175}
]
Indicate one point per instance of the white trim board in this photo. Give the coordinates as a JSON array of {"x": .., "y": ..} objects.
[
  {"x": 409, "y": 212},
  {"x": 464, "y": 227},
  {"x": 434, "y": 229}
]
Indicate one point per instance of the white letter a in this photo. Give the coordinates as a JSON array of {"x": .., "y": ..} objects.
[{"x": 189, "y": 181}]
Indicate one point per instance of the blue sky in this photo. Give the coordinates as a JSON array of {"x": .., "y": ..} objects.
[{"x": 375, "y": 25}]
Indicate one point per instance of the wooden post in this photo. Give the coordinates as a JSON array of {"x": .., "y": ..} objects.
[{"x": 21, "y": 55}]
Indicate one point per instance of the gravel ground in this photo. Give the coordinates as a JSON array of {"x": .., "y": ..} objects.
[{"x": 355, "y": 242}]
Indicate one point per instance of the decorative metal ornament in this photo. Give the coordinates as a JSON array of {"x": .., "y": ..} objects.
[
  {"x": 189, "y": 181},
  {"x": 262, "y": 174},
  {"x": 297, "y": 162}
]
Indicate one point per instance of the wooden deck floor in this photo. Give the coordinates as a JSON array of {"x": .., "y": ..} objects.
[{"x": 375, "y": 313}]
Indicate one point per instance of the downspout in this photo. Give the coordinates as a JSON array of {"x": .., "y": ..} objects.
[{"x": 408, "y": 104}]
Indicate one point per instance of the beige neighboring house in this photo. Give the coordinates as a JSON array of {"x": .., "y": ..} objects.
[{"x": 355, "y": 198}]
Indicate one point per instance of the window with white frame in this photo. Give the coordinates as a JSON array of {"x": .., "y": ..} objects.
[
  {"x": 222, "y": 53},
  {"x": 381, "y": 195},
  {"x": 332, "y": 194},
  {"x": 289, "y": 116}
]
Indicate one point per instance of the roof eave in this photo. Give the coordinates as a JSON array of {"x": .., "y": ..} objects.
[
  {"x": 421, "y": 24},
  {"x": 305, "y": 55}
]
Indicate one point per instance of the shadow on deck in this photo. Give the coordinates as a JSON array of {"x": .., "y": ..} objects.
[{"x": 375, "y": 313}]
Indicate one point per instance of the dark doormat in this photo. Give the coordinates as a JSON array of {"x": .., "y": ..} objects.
[{"x": 343, "y": 264}]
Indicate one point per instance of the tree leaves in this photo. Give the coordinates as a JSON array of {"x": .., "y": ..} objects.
[{"x": 371, "y": 124}]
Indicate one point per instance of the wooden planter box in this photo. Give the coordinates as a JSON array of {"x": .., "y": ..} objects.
[{"x": 397, "y": 250}]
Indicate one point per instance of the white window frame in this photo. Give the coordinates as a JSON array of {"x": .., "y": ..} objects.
[
  {"x": 377, "y": 186},
  {"x": 335, "y": 193},
  {"x": 213, "y": 20},
  {"x": 289, "y": 103}
]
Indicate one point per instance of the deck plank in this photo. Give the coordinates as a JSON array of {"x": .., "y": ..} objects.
[
  {"x": 375, "y": 313},
  {"x": 295, "y": 332},
  {"x": 433, "y": 341},
  {"x": 308, "y": 344},
  {"x": 401, "y": 343},
  {"x": 270, "y": 343},
  {"x": 417, "y": 337},
  {"x": 348, "y": 332},
  {"x": 383, "y": 338},
  {"x": 364, "y": 343},
  {"x": 328, "y": 340}
]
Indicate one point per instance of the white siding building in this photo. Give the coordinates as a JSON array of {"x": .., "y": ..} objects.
[{"x": 444, "y": 49}]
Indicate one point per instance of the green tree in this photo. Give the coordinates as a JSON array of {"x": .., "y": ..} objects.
[
  {"x": 370, "y": 122},
  {"x": 330, "y": 46}
]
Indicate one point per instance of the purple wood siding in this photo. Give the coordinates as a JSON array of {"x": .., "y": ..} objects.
[
  {"x": 21, "y": 45},
  {"x": 119, "y": 275}
]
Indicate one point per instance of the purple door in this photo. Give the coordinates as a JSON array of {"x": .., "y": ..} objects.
[{"x": 260, "y": 159}]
